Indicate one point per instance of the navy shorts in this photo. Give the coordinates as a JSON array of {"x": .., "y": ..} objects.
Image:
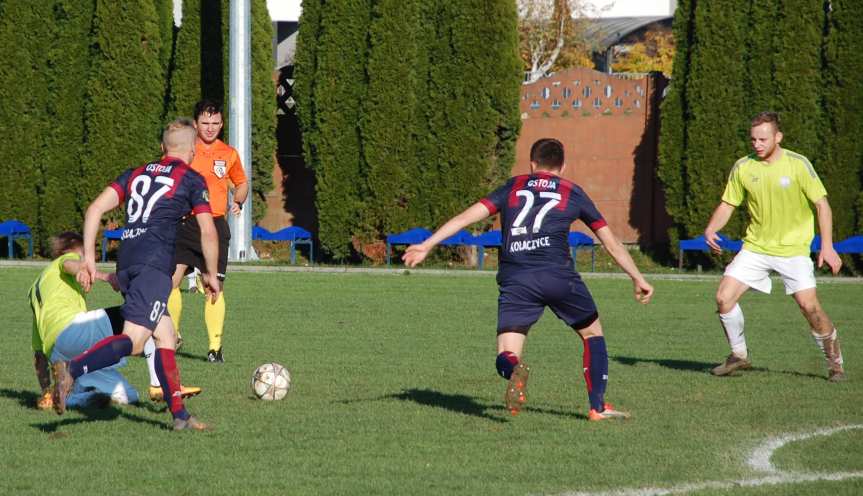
[
  {"x": 146, "y": 291},
  {"x": 524, "y": 297}
]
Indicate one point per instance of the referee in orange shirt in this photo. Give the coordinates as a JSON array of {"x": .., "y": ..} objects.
[{"x": 219, "y": 163}]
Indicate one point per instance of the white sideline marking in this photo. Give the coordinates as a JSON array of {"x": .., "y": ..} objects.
[{"x": 758, "y": 460}]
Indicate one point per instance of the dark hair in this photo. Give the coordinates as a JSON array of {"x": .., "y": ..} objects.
[
  {"x": 65, "y": 242},
  {"x": 765, "y": 117},
  {"x": 207, "y": 106},
  {"x": 547, "y": 153}
]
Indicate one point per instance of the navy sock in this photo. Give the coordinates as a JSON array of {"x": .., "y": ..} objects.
[
  {"x": 596, "y": 371},
  {"x": 169, "y": 377},
  {"x": 103, "y": 354},
  {"x": 506, "y": 363}
]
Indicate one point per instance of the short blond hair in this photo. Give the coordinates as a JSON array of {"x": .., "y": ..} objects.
[{"x": 179, "y": 135}]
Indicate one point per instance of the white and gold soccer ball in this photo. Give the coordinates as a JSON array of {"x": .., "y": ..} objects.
[{"x": 271, "y": 381}]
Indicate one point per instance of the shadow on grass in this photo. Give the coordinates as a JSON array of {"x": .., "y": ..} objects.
[
  {"x": 28, "y": 399},
  {"x": 685, "y": 365},
  {"x": 25, "y": 398},
  {"x": 704, "y": 367},
  {"x": 94, "y": 414},
  {"x": 184, "y": 354},
  {"x": 466, "y": 405}
]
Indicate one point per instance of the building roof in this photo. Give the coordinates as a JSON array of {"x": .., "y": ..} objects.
[{"x": 608, "y": 31}]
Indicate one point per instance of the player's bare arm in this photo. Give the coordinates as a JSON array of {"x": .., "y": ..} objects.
[
  {"x": 241, "y": 192},
  {"x": 415, "y": 254},
  {"x": 643, "y": 289},
  {"x": 75, "y": 267},
  {"x": 210, "y": 249},
  {"x": 106, "y": 201},
  {"x": 825, "y": 227},
  {"x": 717, "y": 221}
]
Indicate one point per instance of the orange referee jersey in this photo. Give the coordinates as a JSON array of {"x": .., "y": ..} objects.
[{"x": 218, "y": 163}]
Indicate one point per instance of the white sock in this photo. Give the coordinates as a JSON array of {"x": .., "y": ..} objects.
[
  {"x": 819, "y": 340},
  {"x": 732, "y": 323},
  {"x": 150, "y": 355}
]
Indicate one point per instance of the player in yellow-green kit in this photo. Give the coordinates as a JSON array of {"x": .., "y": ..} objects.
[
  {"x": 62, "y": 326},
  {"x": 778, "y": 187},
  {"x": 63, "y": 329}
]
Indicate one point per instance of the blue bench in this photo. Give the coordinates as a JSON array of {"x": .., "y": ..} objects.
[
  {"x": 410, "y": 237},
  {"x": 481, "y": 241},
  {"x": 580, "y": 240},
  {"x": 108, "y": 235},
  {"x": 294, "y": 234},
  {"x": 700, "y": 244},
  {"x": 15, "y": 229}
]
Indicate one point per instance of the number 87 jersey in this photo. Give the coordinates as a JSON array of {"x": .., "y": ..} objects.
[
  {"x": 156, "y": 197},
  {"x": 537, "y": 211}
]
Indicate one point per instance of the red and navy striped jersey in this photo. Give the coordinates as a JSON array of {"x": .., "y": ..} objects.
[
  {"x": 156, "y": 197},
  {"x": 536, "y": 213}
]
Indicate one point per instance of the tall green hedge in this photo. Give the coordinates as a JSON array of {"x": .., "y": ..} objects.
[
  {"x": 88, "y": 86},
  {"x": 124, "y": 93},
  {"x": 263, "y": 107},
  {"x": 409, "y": 110},
  {"x": 341, "y": 46},
  {"x": 68, "y": 54},
  {"x": 717, "y": 117},
  {"x": 797, "y": 51},
  {"x": 802, "y": 58},
  {"x": 843, "y": 106},
  {"x": 23, "y": 43},
  {"x": 674, "y": 112}
]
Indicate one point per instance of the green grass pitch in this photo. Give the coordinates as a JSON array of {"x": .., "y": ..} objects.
[{"x": 395, "y": 392}]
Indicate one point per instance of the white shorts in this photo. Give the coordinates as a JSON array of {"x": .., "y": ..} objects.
[
  {"x": 753, "y": 269},
  {"x": 85, "y": 330}
]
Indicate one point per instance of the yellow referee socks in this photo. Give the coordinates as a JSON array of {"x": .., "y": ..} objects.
[
  {"x": 214, "y": 318},
  {"x": 175, "y": 308}
]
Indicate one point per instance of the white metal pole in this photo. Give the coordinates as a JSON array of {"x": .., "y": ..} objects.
[{"x": 240, "y": 122}]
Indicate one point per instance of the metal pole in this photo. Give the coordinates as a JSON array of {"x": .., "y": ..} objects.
[{"x": 240, "y": 122}]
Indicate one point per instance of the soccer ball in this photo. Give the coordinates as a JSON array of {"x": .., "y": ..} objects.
[{"x": 271, "y": 381}]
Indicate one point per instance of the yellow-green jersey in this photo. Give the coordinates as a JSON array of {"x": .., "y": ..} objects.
[
  {"x": 778, "y": 197},
  {"x": 55, "y": 298}
]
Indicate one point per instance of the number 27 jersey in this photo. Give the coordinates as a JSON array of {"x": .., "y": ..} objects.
[
  {"x": 537, "y": 211},
  {"x": 157, "y": 196}
]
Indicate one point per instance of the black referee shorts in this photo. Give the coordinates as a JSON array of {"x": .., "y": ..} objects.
[{"x": 188, "y": 251}]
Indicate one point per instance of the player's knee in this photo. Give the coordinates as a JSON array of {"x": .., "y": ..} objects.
[
  {"x": 724, "y": 302},
  {"x": 505, "y": 364},
  {"x": 809, "y": 308}
]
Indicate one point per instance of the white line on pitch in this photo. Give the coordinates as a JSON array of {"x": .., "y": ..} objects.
[{"x": 758, "y": 460}]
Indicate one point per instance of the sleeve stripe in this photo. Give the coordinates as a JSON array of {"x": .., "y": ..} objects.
[
  {"x": 120, "y": 191},
  {"x": 597, "y": 225},
  {"x": 203, "y": 208},
  {"x": 489, "y": 205},
  {"x": 805, "y": 161}
]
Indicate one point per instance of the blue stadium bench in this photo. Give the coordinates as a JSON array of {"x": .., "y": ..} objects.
[
  {"x": 490, "y": 238},
  {"x": 15, "y": 229},
  {"x": 409, "y": 237},
  {"x": 107, "y": 236},
  {"x": 699, "y": 244},
  {"x": 580, "y": 240},
  {"x": 294, "y": 234}
]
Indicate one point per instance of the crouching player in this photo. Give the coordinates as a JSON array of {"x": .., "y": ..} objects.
[
  {"x": 156, "y": 197},
  {"x": 63, "y": 329},
  {"x": 536, "y": 269}
]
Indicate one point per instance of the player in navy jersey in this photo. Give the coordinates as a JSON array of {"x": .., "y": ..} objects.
[
  {"x": 536, "y": 269},
  {"x": 156, "y": 196}
]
